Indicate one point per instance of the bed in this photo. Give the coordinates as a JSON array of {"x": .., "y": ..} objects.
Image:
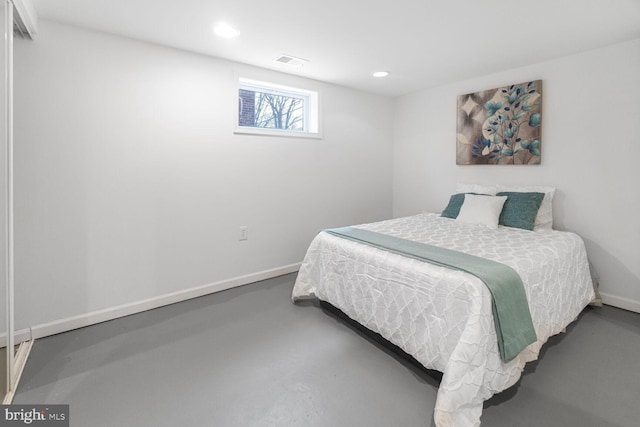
[{"x": 443, "y": 317}]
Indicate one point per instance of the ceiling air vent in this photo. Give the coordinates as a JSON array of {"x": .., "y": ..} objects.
[{"x": 291, "y": 61}]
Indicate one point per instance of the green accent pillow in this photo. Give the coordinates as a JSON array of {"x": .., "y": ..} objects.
[
  {"x": 453, "y": 208},
  {"x": 520, "y": 209}
]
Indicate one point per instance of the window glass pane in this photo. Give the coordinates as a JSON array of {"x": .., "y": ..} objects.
[{"x": 271, "y": 111}]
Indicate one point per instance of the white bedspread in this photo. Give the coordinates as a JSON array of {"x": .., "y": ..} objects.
[{"x": 443, "y": 317}]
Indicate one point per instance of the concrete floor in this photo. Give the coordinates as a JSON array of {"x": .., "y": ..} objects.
[{"x": 249, "y": 357}]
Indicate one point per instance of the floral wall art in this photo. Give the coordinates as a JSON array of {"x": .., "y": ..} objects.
[{"x": 500, "y": 126}]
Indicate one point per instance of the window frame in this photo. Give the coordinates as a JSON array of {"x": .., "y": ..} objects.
[{"x": 312, "y": 118}]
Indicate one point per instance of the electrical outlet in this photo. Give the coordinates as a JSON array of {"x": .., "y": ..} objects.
[{"x": 244, "y": 233}]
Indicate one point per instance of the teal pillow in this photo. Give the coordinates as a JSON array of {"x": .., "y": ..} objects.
[
  {"x": 455, "y": 203},
  {"x": 520, "y": 209}
]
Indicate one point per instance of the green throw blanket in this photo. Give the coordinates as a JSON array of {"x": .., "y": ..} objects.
[{"x": 511, "y": 315}]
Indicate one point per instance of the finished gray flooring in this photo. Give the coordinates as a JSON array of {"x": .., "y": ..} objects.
[{"x": 249, "y": 357}]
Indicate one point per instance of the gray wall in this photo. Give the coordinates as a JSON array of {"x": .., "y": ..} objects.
[
  {"x": 591, "y": 150},
  {"x": 131, "y": 183}
]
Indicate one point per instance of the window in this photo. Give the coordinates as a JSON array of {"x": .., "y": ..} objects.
[{"x": 270, "y": 109}]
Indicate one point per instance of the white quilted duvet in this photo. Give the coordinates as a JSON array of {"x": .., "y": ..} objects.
[{"x": 443, "y": 317}]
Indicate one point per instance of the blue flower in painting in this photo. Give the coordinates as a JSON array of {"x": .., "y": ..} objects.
[
  {"x": 481, "y": 142},
  {"x": 492, "y": 107},
  {"x": 534, "y": 120},
  {"x": 534, "y": 148}
]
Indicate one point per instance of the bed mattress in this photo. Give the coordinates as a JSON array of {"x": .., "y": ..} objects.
[{"x": 443, "y": 317}]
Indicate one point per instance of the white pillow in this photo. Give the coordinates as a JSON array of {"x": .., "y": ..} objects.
[
  {"x": 544, "y": 218},
  {"x": 476, "y": 188},
  {"x": 481, "y": 210}
]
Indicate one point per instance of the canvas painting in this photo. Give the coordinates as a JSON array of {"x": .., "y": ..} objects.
[{"x": 500, "y": 126}]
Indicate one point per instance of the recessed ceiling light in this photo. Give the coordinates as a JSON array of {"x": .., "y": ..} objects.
[
  {"x": 380, "y": 74},
  {"x": 222, "y": 29}
]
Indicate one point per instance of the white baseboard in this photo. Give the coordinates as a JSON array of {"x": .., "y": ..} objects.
[
  {"x": 88, "y": 319},
  {"x": 620, "y": 302},
  {"x": 18, "y": 337}
]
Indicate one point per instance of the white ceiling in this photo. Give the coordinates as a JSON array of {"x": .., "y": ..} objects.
[{"x": 423, "y": 43}]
